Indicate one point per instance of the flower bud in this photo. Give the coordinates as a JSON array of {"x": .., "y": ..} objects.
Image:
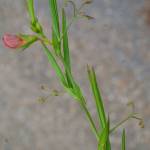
[
  {"x": 18, "y": 41},
  {"x": 13, "y": 41}
]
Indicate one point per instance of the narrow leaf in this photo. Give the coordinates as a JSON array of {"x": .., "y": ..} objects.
[
  {"x": 98, "y": 101},
  {"x": 56, "y": 43},
  {"x": 97, "y": 96},
  {"x": 55, "y": 25},
  {"x": 66, "y": 47},
  {"x": 65, "y": 40},
  {"x": 54, "y": 16}
]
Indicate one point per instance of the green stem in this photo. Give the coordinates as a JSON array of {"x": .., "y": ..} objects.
[
  {"x": 30, "y": 4},
  {"x": 54, "y": 64},
  {"x": 89, "y": 117}
]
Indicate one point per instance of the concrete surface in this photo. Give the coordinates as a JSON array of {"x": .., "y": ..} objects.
[{"x": 116, "y": 42}]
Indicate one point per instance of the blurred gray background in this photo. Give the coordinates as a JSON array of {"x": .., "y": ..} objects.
[{"x": 116, "y": 42}]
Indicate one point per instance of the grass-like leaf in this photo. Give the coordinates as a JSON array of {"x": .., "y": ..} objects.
[
  {"x": 97, "y": 97},
  {"x": 66, "y": 46},
  {"x": 65, "y": 40},
  {"x": 54, "y": 16},
  {"x": 98, "y": 101},
  {"x": 56, "y": 43},
  {"x": 55, "y": 26},
  {"x": 123, "y": 145}
]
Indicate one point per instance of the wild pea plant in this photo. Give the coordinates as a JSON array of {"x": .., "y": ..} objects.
[{"x": 57, "y": 50}]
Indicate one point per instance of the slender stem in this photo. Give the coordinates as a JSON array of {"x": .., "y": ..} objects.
[
  {"x": 54, "y": 64},
  {"x": 30, "y": 4},
  {"x": 121, "y": 122},
  {"x": 89, "y": 117}
]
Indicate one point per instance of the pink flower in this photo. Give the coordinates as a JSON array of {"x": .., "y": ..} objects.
[{"x": 13, "y": 41}]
